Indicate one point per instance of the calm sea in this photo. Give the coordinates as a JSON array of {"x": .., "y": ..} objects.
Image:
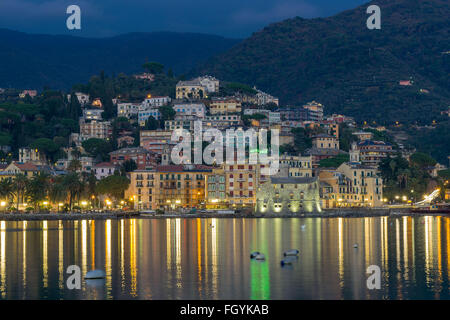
[{"x": 209, "y": 258}]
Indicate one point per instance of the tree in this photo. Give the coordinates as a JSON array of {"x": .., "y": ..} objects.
[
  {"x": 20, "y": 186},
  {"x": 74, "y": 107},
  {"x": 346, "y": 137},
  {"x": 46, "y": 146},
  {"x": 153, "y": 67},
  {"x": 422, "y": 160},
  {"x": 38, "y": 188},
  {"x": 73, "y": 186},
  {"x": 57, "y": 192},
  {"x": 151, "y": 124},
  {"x": 97, "y": 148},
  {"x": 74, "y": 165},
  {"x": 444, "y": 174},
  {"x": 128, "y": 166},
  {"x": 7, "y": 189},
  {"x": 113, "y": 186},
  {"x": 167, "y": 113},
  {"x": 334, "y": 162},
  {"x": 301, "y": 140}
]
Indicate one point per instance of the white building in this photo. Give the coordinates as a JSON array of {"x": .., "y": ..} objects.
[
  {"x": 263, "y": 98},
  {"x": 143, "y": 115},
  {"x": 150, "y": 101},
  {"x": 190, "y": 109},
  {"x": 250, "y": 112},
  {"x": 92, "y": 114},
  {"x": 31, "y": 155},
  {"x": 210, "y": 83},
  {"x": 128, "y": 109},
  {"x": 274, "y": 117},
  {"x": 104, "y": 169}
]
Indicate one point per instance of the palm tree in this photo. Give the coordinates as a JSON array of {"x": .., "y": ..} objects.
[
  {"x": 6, "y": 189},
  {"x": 57, "y": 192},
  {"x": 38, "y": 188},
  {"x": 74, "y": 186},
  {"x": 20, "y": 186}
]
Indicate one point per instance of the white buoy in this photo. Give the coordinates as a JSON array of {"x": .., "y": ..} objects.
[
  {"x": 260, "y": 257},
  {"x": 95, "y": 274},
  {"x": 254, "y": 254},
  {"x": 288, "y": 260},
  {"x": 292, "y": 252}
]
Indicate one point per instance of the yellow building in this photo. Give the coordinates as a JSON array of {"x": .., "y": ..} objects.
[
  {"x": 295, "y": 166},
  {"x": 14, "y": 168},
  {"x": 325, "y": 141},
  {"x": 225, "y": 105},
  {"x": 192, "y": 89},
  {"x": 169, "y": 187},
  {"x": 353, "y": 185},
  {"x": 240, "y": 182}
]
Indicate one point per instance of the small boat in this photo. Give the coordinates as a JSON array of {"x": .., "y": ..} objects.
[
  {"x": 288, "y": 260},
  {"x": 95, "y": 274},
  {"x": 355, "y": 245},
  {"x": 254, "y": 254},
  {"x": 260, "y": 257},
  {"x": 292, "y": 252}
]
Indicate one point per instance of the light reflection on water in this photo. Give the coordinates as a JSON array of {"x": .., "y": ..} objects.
[{"x": 209, "y": 258}]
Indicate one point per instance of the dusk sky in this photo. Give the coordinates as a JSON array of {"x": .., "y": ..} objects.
[{"x": 230, "y": 18}]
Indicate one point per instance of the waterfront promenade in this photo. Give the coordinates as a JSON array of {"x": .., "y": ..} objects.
[{"x": 327, "y": 213}]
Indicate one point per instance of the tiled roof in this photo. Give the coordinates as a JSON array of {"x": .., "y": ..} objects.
[
  {"x": 291, "y": 180},
  {"x": 28, "y": 166},
  {"x": 104, "y": 164},
  {"x": 183, "y": 168}
]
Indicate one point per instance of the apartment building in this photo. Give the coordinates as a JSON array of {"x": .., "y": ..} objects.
[
  {"x": 95, "y": 129},
  {"x": 169, "y": 187},
  {"x": 155, "y": 140},
  {"x": 191, "y": 89},
  {"x": 128, "y": 109},
  {"x": 190, "y": 109},
  {"x": 144, "y": 158},
  {"x": 225, "y": 105}
]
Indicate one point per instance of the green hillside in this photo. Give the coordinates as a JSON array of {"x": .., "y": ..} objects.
[{"x": 349, "y": 68}]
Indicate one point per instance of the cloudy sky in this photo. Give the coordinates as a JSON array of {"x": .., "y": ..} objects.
[{"x": 231, "y": 18}]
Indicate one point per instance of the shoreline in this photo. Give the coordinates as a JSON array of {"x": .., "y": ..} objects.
[{"x": 326, "y": 213}]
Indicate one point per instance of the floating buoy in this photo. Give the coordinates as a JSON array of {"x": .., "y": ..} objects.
[
  {"x": 95, "y": 274},
  {"x": 260, "y": 257},
  {"x": 288, "y": 260},
  {"x": 254, "y": 254},
  {"x": 355, "y": 245},
  {"x": 292, "y": 252}
]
